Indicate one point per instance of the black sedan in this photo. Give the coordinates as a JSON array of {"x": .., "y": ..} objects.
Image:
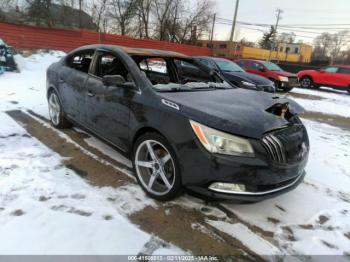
[
  {"x": 236, "y": 75},
  {"x": 199, "y": 134}
]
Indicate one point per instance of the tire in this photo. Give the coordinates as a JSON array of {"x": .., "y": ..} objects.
[
  {"x": 349, "y": 90},
  {"x": 156, "y": 167},
  {"x": 56, "y": 112},
  {"x": 306, "y": 82}
]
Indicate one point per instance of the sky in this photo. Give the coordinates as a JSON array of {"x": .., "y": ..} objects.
[{"x": 294, "y": 12}]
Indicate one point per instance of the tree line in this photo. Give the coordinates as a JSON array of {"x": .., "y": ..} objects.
[{"x": 170, "y": 20}]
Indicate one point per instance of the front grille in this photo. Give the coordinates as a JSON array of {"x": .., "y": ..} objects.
[
  {"x": 293, "y": 81},
  {"x": 287, "y": 145}
]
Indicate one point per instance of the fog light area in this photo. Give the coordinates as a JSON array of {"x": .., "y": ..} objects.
[{"x": 227, "y": 187}]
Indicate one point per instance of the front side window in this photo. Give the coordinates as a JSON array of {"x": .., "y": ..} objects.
[
  {"x": 331, "y": 69},
  {"x": 109, "y": 64},
  {"x": 257, "y": 66},
  {"x": 81, "y": 61},
  {"x": 175, "y": 74}
]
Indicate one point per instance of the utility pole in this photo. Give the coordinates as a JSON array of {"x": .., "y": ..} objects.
[
  {"x": 80, "y": 16},
  {"x": 212, "y": 28},
  {"x": 278, "y": 18},
  {"x": 234, "y": 21}
]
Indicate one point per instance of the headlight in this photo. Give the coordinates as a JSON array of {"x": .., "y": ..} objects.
[
  {"x": 248, "y": 84},
  {"x": 219, "y": 142},
  {"x": 283, "y": 78}
]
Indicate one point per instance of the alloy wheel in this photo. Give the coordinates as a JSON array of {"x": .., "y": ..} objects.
[
  {"x": 305, "y": 82},
  {"x": 155, "y": 167},
  {"x": 54, "y": 109}
]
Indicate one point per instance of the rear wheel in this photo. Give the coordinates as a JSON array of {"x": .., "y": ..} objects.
[
  {"x": 306, "y": 82},
  {"x": 156, "y": 167},
  {"x": 56, "y": 112}
]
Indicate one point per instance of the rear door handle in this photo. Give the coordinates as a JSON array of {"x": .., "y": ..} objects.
[{"x": 90, "y": 94}]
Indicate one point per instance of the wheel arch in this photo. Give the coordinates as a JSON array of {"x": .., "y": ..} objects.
[{"x": 143, "y": 130}]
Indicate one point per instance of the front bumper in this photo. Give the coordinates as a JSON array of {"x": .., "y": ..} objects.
[{"x": 262, "y": 177}]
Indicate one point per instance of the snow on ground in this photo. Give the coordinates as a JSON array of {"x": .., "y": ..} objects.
[
  {"x": 315, "y": 217},
  {"x": 46, "y": 208},
  {"x": 336, "y": 103}
]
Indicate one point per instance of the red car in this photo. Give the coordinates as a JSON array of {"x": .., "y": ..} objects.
[
  {"x": 283, "y": 80},
  {"x": 336, "y": 76}
]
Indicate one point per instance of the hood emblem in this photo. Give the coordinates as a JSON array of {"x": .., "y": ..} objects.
[{"x": 170, "y": 104}]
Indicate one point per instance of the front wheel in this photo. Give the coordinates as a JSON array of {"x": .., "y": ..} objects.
[
  {"x": 306, "y": 82},
  {"x": 156, "y": 167},
  {"x": 56, "y": 112}
]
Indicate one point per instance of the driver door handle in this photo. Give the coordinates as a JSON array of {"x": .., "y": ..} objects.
[{"x": 90, "y": 94}]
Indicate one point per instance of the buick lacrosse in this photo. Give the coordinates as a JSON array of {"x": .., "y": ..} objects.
[{"x": 193, "y": 132}]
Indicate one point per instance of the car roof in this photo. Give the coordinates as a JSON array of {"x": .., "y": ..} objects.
[{"x": 133, "y": 51}]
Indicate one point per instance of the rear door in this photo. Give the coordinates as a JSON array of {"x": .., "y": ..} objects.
[
  {"x": 107, "y": 107},
  {"x": 343, "y": 76},
  {"x": 330, "y": 76},
  {"x": 72, "y": 81}
]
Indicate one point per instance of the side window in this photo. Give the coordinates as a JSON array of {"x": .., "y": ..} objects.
[
  {"x": 156, "y": 70},
  {"x": 157, "y": 65},
  {"x": 109, "y": 64},
  {"x": 256, "y": 66},
  {"x": 344, "y": 70},
  {"x": 331, "y": 69},
  {"x": 81, "y": 61},
  {"x": 207, "y": 63}
]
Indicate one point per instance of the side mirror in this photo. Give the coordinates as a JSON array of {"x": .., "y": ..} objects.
[{"x": 113, "y": 80}]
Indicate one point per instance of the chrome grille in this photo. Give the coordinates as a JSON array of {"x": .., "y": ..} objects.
[
  {"x": 287, "y": 145},
  {"x": 274, "y": 148}
]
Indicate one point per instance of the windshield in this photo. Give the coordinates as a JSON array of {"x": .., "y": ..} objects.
[
  {"x": 271, "y": 66},
  {"x": 173, "y": 74},
  {"x": 228, "y": 66}
]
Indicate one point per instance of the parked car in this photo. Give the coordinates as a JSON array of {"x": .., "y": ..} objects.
[
  {"x": 283, "y": 80},
  {"x": 335, "y": 76},
  {"x": 7, "y": 61},
  {"x": 233, "y": 73},
  {"x": 206, "y": 136}
]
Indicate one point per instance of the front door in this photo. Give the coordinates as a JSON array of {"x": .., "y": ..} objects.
[{"x": 107, "y": 107}]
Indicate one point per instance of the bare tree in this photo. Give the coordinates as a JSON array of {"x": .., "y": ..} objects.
[
  {"x": 144, "y": 8},
  {"x": 97, "y": 10},
  {"x": 163, "y": 12},
  {"x": 339, "y": 40},
  {"x": 322, "y": 45},
  {"x": 40, "y": 11},
  {"x": 122, "y": 11},
  {"x": 195, "y": 22}
]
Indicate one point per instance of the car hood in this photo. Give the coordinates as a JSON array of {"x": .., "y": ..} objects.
[
  {"x": 258, "y": 80},
  {"x": 236, "y": 111},
  {"x": 283, "y": 73}
]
